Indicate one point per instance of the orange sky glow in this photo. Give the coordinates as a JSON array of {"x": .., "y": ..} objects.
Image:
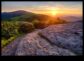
[{"x": 48, "y": 8}]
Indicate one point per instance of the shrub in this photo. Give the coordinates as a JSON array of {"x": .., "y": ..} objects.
[
  {"x": 26, "y": 27},
  {"x": 38, "y": 24},
  {"x": 9, "y": 30},
  {"x": 60, "y": 21}
]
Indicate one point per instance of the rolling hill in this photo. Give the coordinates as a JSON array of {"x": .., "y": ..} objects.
[
  {"x": 9, "y": 15},
  {"x": 21, "y": 15}
]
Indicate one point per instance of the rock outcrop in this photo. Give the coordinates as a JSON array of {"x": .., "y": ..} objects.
[{"x": 58, "y": 40}]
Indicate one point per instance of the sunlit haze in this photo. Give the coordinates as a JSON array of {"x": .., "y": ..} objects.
[{"x": 48, "y": 7}]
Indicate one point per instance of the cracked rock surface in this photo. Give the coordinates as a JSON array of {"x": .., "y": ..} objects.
[{"x": 59, "y": 40}]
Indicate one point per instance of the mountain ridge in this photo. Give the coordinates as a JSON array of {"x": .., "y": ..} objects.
[{"x": 9, "y": 15}]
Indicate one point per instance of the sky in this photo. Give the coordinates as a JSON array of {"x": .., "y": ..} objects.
[{"x": 44, "y": 7}]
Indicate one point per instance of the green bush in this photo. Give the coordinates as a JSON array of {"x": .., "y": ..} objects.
[
  {"x": 26, "y": 27},
  {"x": 12, "y": 29},
  {"x": 38, "y": 24},
  {"x": 9, "y": 30}
]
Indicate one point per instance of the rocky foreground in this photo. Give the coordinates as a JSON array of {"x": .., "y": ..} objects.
[{"x": 58, "y": 40}]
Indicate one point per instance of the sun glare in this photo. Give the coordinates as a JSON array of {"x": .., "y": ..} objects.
[{"x": 54, "y": 12}]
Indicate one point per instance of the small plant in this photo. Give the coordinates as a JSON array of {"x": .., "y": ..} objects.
[
  {"x": 26, "y": 27},
  {"x": 9, "y": 31},
  {"x": 38, "y": 24}
]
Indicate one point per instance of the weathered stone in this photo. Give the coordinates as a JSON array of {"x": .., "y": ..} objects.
[
  {"x": 64, "y": 36},
  {"x": 33, "y": 44},
  {"x": 58, "y": 40}
]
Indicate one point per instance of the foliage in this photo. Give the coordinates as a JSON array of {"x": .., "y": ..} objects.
[
  {"x": 26, "y": 27},
  {"x": 12, "y": 29},
  {"x": 38, "y": 24},
  {"x": 8, "y": 29}
]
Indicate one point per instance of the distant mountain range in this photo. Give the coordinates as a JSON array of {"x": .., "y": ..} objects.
[
  {"x": 8, "y": 15},
  {"x": 29, "y": 15},
  {"x": 21, "y": 14},
  {"x": 72, "y": 18}
]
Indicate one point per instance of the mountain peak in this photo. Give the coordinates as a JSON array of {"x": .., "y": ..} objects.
[
  {"x": 20, "y": 11},
  {"x": 8, "y": 15}
]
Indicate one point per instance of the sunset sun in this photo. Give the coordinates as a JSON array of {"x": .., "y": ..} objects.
[{"x": 54, "y": 12}]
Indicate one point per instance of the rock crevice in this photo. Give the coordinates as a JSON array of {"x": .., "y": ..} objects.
[{"x": 59, "y": 40}]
